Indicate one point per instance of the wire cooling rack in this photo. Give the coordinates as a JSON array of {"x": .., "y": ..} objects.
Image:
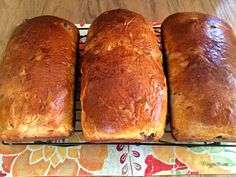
[{"x": 77, "y": 138}]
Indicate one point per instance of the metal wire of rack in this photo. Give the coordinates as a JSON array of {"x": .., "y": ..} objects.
[{"x": 77, "y": 139}]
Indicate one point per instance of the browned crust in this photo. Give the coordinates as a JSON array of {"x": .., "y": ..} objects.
[
  {"x": 37, "y": 80},
  {"x": 123, "y": 90},
  {"x": 201, "y": 60}
]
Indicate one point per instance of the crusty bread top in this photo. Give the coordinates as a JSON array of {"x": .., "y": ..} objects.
[
  {"x": 201, "y": 62},
  {"x": 123, "y": 84},
  {"x": 37, "y": 80}
]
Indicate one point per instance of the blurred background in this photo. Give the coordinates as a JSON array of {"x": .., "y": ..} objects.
[{"x": 13, "y": 12}]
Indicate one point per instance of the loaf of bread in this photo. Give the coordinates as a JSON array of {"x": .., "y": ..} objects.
[
  {"x": 201, "y": 62},
  {"x": 123, "y": 93},
  {"x": 37, "y": 80}
]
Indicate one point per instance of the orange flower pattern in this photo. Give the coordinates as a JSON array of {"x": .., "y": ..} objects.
[{"x": 51, "y": 160}]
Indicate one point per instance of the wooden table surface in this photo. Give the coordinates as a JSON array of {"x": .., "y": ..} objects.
[{"x": 13, "y": 12}]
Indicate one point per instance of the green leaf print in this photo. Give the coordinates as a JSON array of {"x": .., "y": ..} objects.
[
  {"x": 216, "y": 149},
  {"x": 223, "y": 161},
  {"x": 172, "y": 161},
  {"x": 227, "y": 150},
  {"x": 198, "y": 149},
  {"x": 181, "y": 172},
  {"x": 172, "y": 171},
  {"x": 207, "y": 149}
]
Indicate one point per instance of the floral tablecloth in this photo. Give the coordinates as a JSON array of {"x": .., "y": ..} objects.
[
  {"x": 119, "y": 160},
  {"x": 115, "y": 160}
]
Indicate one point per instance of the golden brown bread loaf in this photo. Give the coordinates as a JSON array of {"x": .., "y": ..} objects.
[
  {"x": 123, "y": 94},
  {"x": 37, "y": 80},
  {"x": 201, "y": 62}
]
